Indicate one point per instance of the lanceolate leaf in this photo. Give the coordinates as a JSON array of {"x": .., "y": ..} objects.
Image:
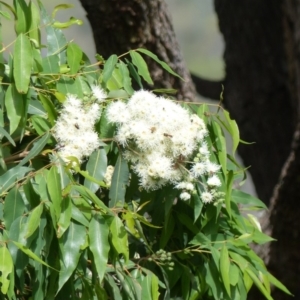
[
  {"x": 54, "y": 190},
  {"x": 69, "y": 246},
  {"x": 99, "y": 244},
  {"x": 23, "y": 61},
  {"x": 28, "y": 252},
  {"x": 109, "y": 67},
  {"x": 224, "y": 268},
  {"x": 56, "y": 40},
  {"x": 14, "y": 103},
  {"x": 13, "y": 207},
  {"x": 34, "y": 30},
  {"x": 8, "y": 178},
  {"x": 74, "y": 56},
  {"x": 21, "y": 10},
  {"x": 6, "y": 267},
  {"x": 37, "y": 148},
  {"x": 96, "y": 167},
  {"x": 34, "y": 220},
  {"x": 3, "y": 132},
  {"x": 119, "y": 182},
  {"x": 141, "y": 65},
  {"x": 163, "y": 64},
  {"x": 65, "y": 216},
  {"x": 119, "y": 237}
]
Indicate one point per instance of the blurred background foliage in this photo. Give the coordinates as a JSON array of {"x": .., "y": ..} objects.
[{"x": 195, "y": 24}]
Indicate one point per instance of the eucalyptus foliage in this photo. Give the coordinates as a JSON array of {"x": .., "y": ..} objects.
[{"x": 71, "y": 229}]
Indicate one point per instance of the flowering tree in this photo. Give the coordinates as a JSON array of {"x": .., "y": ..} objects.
[{"x": 111, "y": 193}]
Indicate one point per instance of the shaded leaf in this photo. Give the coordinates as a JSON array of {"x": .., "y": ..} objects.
[
  {"x": 96, "y": 166},
  {"x": 99, "y": 244},
  {"x": 224, "y": 268},
  {"x": 65, "y": 216},
  {"x": 69, "y": 246},
  {"x": 37, "y": 148},
  {"x": 118, "y": 183},
  {"x": 13, "y": 207},
  {"x": 246, "y": 199},
  {"x": 54, "y": 190}
]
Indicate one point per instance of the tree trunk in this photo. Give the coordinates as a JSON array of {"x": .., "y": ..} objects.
[
  {"x": 262, "y": 91},
  {"x": 121, "y": 25},
  {"x": 257, "y": 89}
]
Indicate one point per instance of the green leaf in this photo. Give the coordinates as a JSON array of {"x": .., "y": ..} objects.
[
  {"x": 54, "y": 190},
  {"x": 22, "y": 14},
  {"x": 119, "y": 237},
  {"x": 34, "y": 220},
  {"x": 69, "y": 246},
  {"x": 126, "y": 78},
  {"x": 65, "y": 216},
  {"x": 33, "y": 198},
  {"x": 67, "y": 86},
  {"x": 34, "y": 27},
  {"x": 278, "y": 284},
  {"x": 224, "y": 268},
  {"x": 49, "y": 108},
  {"x": 134, "y": 73},
  {"x": 107, "y": 128},
  {"x": 246, "y": 199},
  {"x": 74, "y": 56},
  {"x": 229, "y": 182},
  {"x": 6, "y": 267},
  {"x": 50, "y": 64},
  {"x": 233, "y": 130},
  {"x": 3, "y": 132},
  {"x": 89, "y": 196},
  {"x": 22, "y": 63},
  {"x": 109, "y": 67},
  {"x": 258, "y": 283},
  {"x": 14, "y": 103},
  {"x": 118, "y": 183},
  {"x": 56, "y": 40},
  {"x": 234, "y": 274},
  {"x": 197, "y": 205},
  {"x": 40, "y": 124},
  {"x": 99, "y": 244},
  {"x": 9, "y": 178},
  {"x": 96, "y": 166},
  {"x": 141, "y": 65},
  {"x": 163, "y": 64},
  {"x": 78, "y": 216},
  {"x": 37, "y": 148},
  {"x": 14, "y": 207},
  {"x": 5, "y": 14}
]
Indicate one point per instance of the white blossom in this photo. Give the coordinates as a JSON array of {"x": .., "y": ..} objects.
[
  {"x": 185, "y": 196},
  {"x": 99, "y": 93},
  {"x": 207, "y": 197},
  {"x": 213, "y": 181}
]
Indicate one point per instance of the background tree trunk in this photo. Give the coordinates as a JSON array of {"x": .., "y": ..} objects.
[
  {"x": 257, "y": 88},
  {"x": 121, "y": 25},
  {"x": 262, "y": 91}
]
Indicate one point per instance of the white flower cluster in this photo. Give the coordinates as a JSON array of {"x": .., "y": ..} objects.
[
  {"x": 74, "y": 129},
  {"x": 160, "y": 139},
  {"x": 108, "y": 175}
]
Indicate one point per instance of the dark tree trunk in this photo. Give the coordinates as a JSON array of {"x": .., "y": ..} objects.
[
  {"x": 262, "y": 91},
  {"x": 121, "y": 25},
  {"x": 257, "y": 90}
]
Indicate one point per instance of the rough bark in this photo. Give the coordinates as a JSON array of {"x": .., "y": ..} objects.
[
  {"x": 121, "y": 25},
  {"x": 257, "y": 89}
]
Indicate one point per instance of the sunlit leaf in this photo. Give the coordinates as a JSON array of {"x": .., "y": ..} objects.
[
  {"x": 34, "y": 220},
  {"x": 22, "y": 63},
  {"x": 141, "y": 65},
  {"x": 74, "y": 56},
  {"x": 224, "y": 268},
  {"x": 6, "y": 267},
  {"x": 54, "y": 190}
]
